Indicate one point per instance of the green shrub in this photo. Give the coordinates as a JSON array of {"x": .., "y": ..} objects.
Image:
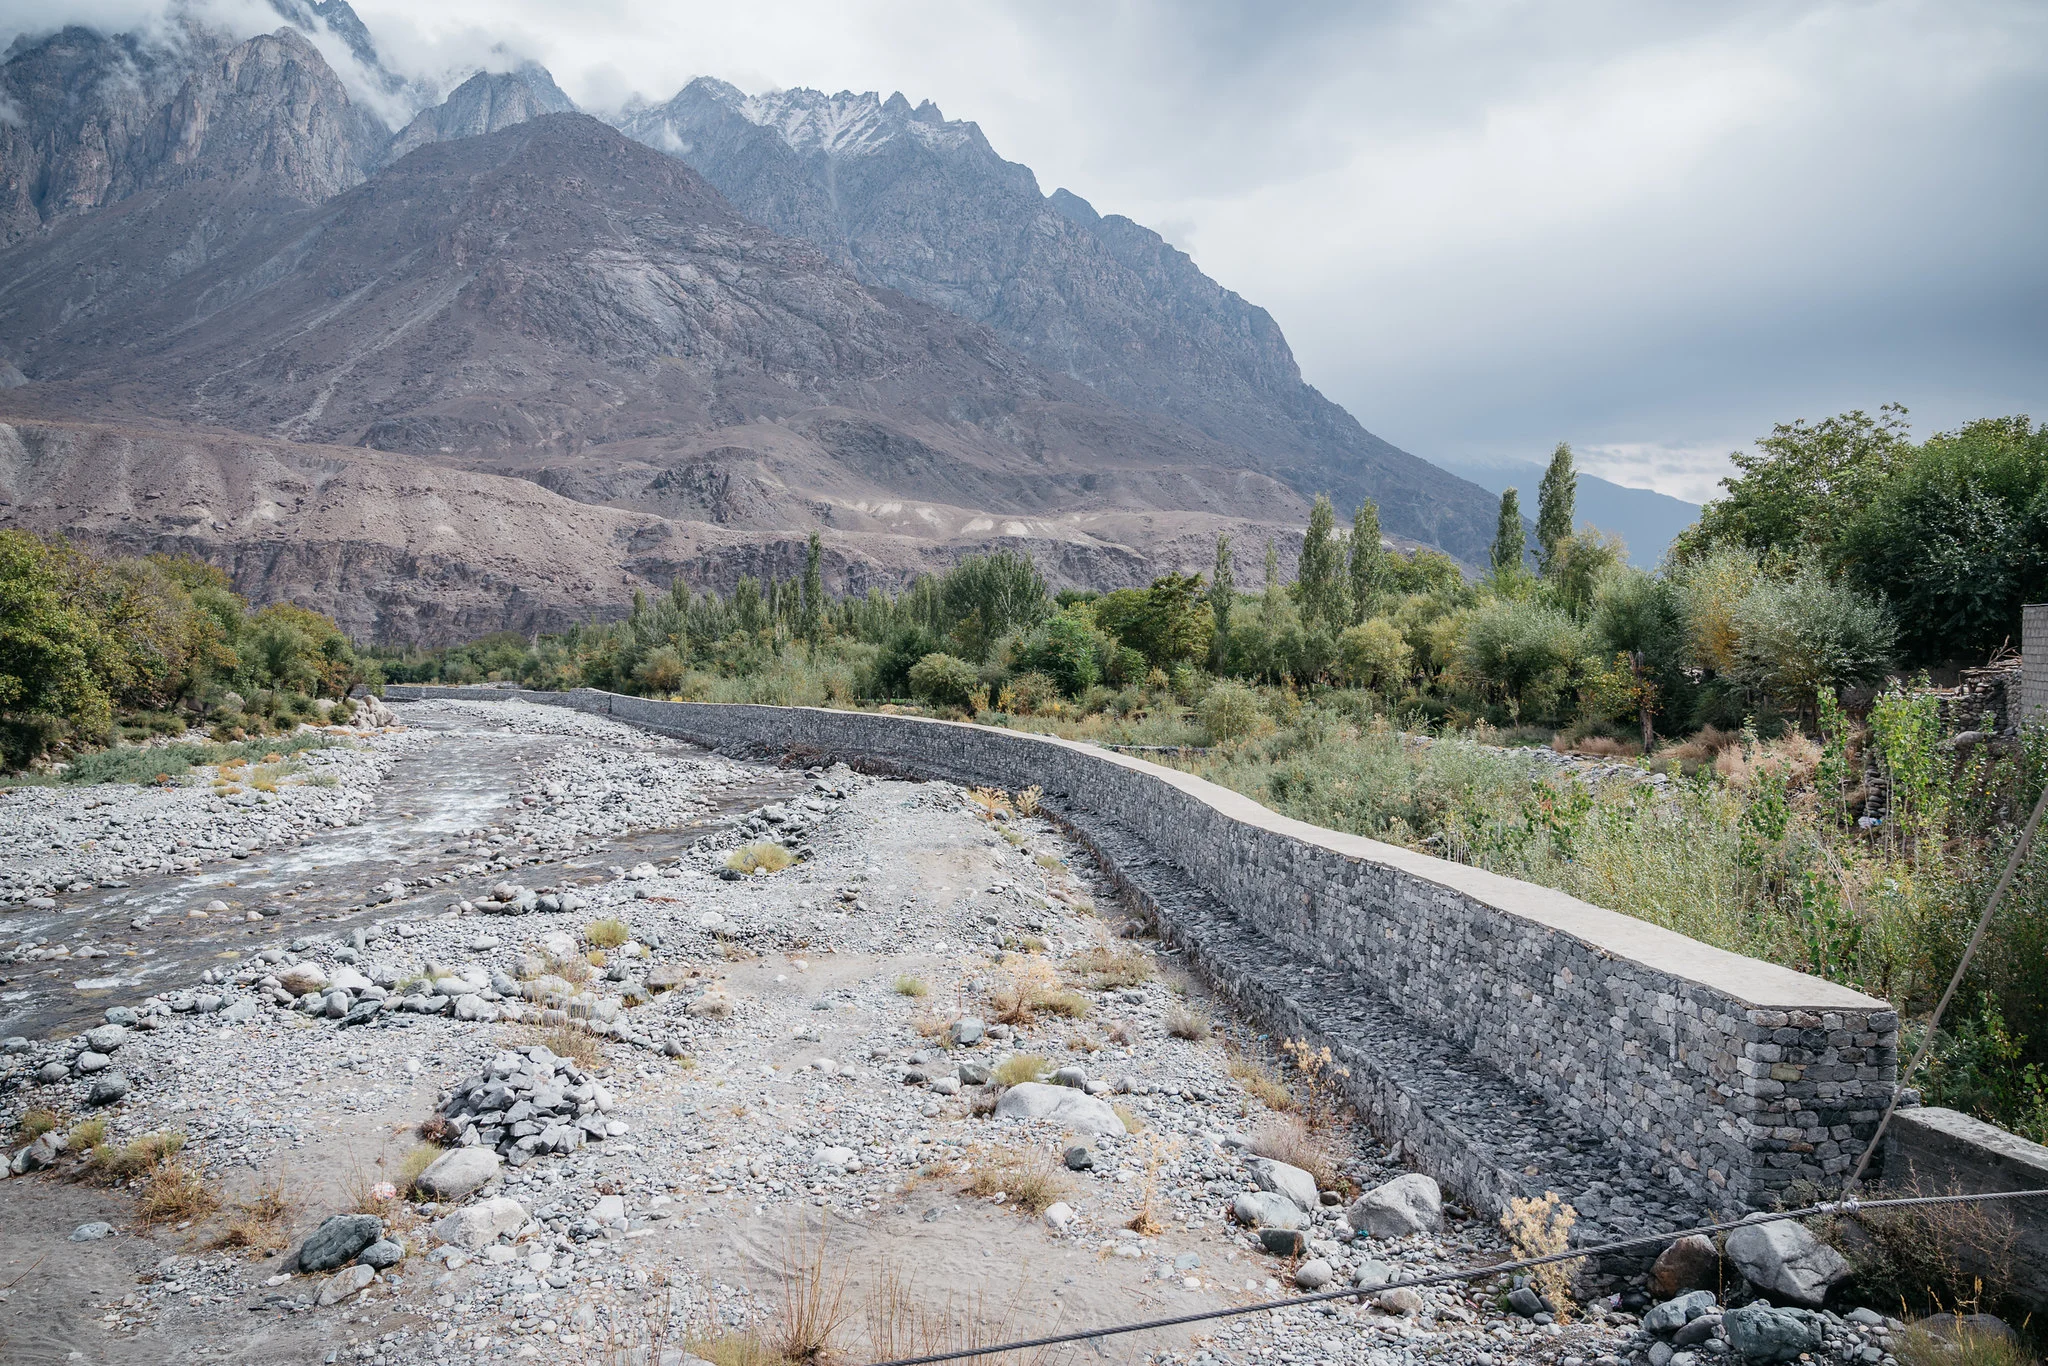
[
  {"x": 944, "y": 680},
  {"x": 1230, "y": 711}
]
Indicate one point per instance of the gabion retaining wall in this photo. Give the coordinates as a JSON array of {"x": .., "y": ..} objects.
[{"x": 1739, "y": 1076}]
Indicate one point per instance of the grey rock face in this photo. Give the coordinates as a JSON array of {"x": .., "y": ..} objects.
[
  {"x": 916, "y": 202},
  {"x": 1786, "y": 1261},
  {"x": 1407, "y": 1204},
  {"x": 1061, "y": 1105},
  {"x": 485, "y": 103},
  {"x": 1760, "y": 1334},
  {"x": 338, "y": 1240}
]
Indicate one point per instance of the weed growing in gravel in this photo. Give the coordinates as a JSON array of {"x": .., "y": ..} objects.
[
  {"x": 1321, "y": 1078},
  {"x": 147, "y": 763},
  {"x": 1259, "y": 1080},
  {"x": 1543, "y": 1228},
  {"x": 992, "y": 802},
  {"x": 1133, "y": 1122},
  {"x": 1960, "y": 1345},
  {"x": 608, "y": 933},
  {"x": 1050, "y": 864},
  {"x": 259, "y": 1222},
  {"x": 1158, "y": 1150},
  {"x": 1102, "y": 967},
  {"x": 900, "y": 1325},
  {"x": 1027, "y": 801},
  {"x": 86, "y": 1134},
  {"x": 1192, "y": 1025},
  {"x": 1026, "y": 1180},
  {"x": 176, "y": 1194},
  {"x": 1020, "y": 1068},
  {"x": 729, "y": 1349},
  {"x": 416, "y": 1160},
  {"x": 35, "y": 1123},
  {"x": 762, "y": 857},
  {"x": 913, "y": 987},
  {"x": 813, "y": 1299},
  {"x": 1286, "y": 1139},
  {"x": 567, "y": 1041}
]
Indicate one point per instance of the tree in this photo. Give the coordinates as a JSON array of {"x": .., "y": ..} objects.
[
  {"x": 1165, "y": 622},
  {"x": 1509, "y": 540},
  {"x": 1799, "y": 489},
  {"x": 54, "y": 657},
  {"x": 1956, "y": 539},
  {"x": 1069, "y": 649},
  {"x": 1222, "y": 593},
  {"x": 1523, "y": 652},
  {"x": 1638, "y": 618},
  {"x": 943, "y": 680},
  {"x": 1374, "y": 655},
  {"x": 1796, "y": 636},
  {"x": 1577, "y": 563},
  {"x": 1368, "y": 560},
  {"x": 812, "y": 611},
  {"x": 987, "y": 595},
  {"x": 1318, "y": 580},
  {"x": 1556, "y": 499}
]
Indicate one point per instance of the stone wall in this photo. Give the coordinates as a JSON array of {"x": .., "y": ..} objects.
[
  {"x": 1737, "y": 1076},
  {"x": 1940, "y": 1151},
  {"x": 2034, "y": 663}
]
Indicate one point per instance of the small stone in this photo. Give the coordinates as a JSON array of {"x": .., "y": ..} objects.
[
  {"x": 50, "y": 1073},
  {"x": 382, "y": 1253},
  {"x": 478, "y": 1225},
  {"x": 1283, "y": 1242},
  {"x": 90, "y": 1062},
  {"x": 338, "y": 1240},
  {"x": 106, "y": 1038},
  {"x": 92, "y": 1233},
  {"x": 1372, "y": 1274},
  {"x": 345, "y": 1283},
  {"x": 1314, "y": 1274},
  {"x": 1403, "y": 1301},
  {"x": 107, "y": 1088},
  {"x": 1525, "y": 1302},
  {"x": 1761, "y": 1334},
  {"x": 1076, "y": 1077},
  {"x": 966, "y": 1031},
  {"x": 1061, "y": 1105},
  {"x": 1059, "y": 1215},
  {"x": 1079, "y": 1159},
  {"x": 1672, "y": 1315}
]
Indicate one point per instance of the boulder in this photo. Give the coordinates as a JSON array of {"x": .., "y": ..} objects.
[
  {"x": 966, "y": 1031},
  {"x": 1691, "y": 1263},
  {"x": 459, "y": 1172},
  {"x": 1407, "y": 1204},
  {"x": 1265, "y": 1209},
  {"x": 1782, "y": 1259},
  {"x": 382, "y": 1253},
  {"x": 37, "y": 1155},
  {"x": 1283, "y": 1242},
  {"x": 1760, "y": 1334},
  {"x": 338, "y": 1240},
  {"x": 302, "y": 979},
  {"x": 107, "y": 1088},
  {"x": 1059, "y": 1105},
  {"x": 1292, "y": 1182},
  {"x": 479, "y": 1225},
  {"x": 1314, "y": 1274},
  {"x": 105, "y": 1038}
]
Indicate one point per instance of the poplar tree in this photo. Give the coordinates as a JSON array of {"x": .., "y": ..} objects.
[
  {"x": 1318, "y": 581},
  {"x": 1269, "y": 602},
  {"x": 1508, "y": 537},
  {"x": 1222, "y": 590},
  {"x": 813, "y": 606},
  {"x": 1368, "y": 560},
  {"x": 1556, "y": 498}
]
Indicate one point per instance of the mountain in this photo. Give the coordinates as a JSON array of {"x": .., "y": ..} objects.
[
  {"x": 912, "y": 201},
  {"x": 237, "y": 310},
  {"x": 1646, "y": 520}
]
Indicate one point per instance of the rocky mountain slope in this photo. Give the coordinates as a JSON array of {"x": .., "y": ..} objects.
[
  {"x": 916, "y": 202},
  {"x": 211, "y": 242}
]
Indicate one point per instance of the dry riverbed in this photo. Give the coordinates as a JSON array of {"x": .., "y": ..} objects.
[{"x": 682, "y": 1095}]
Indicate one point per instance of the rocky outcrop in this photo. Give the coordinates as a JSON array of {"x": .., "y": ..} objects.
[
  {"x": 485, "y": 103},
  {"x": 916, "y": 202}
]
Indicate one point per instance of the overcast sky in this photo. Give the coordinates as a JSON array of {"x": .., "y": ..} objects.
[{"x": 1651, "y": 230}]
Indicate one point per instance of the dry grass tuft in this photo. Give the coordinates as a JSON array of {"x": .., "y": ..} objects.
[
  {"x": 900, "y": 1325},
  {"x": 813, "y": 1300},
  {"x": 1133, "y": 1122},
  {"x": 763, "y": 857},
  {"x": 1183, "y": 1023},
  {"x": 1028, "y": 800},
  {"x": 913, "y": 987},
  {"x": 1286, "y": 1139},
  {"x": 1020, "y": 1068},
  {"x": 417, "y": 1159},
  {"x": 176, "y": 1194},
  {"x": 992, "y": 802},
  {"x": 1960, "y": 1345},
  {"x": 86, "y": 1134},
  {"x": 730, "y": 1349},
  {"x": 35, "y": 1123},
  {"x": 1543, "y": 1228},
  {"x": 608, "y": 933},
  {"x": 1027, "y": 1180},
  {"x": 1259, "y": 1080},
  {"x": 567, "y": 1041},
  {"x": 137, "y": 1158},
  {"x": 1103, "y": 967},
  {"x": 259, "y": 1223}
]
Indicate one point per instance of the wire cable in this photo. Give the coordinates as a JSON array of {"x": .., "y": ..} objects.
[{"x": 1845, "y": 1206}]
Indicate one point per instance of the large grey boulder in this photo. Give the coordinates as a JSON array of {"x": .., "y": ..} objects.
[
  {"x": 1265, "y": 1209},
  {"x": 1760, "y": 1334},
  {"x": 338, "y": 1240},
  {"x": 1060, "y": 1105},
  {"x": 1672, "y": 1315},
  {"x": 107, "y": 1088},
  {"x": 1406, "y": 1205},
  {"x": 1783, "y": 1260},
  {"x": 459, "y": 1172},
  {"x": 1282, "y": 1179}
]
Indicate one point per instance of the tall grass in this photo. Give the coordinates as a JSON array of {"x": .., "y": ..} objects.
[{"x": 146, "y": 763}]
